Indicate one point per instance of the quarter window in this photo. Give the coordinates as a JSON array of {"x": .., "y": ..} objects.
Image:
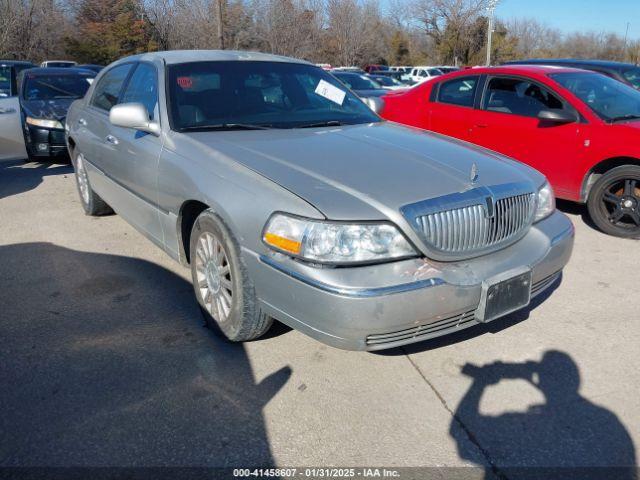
[
  {"x": 519, "y": 97},
  {"x": 108, "y": 89},
  {"x": 143, "y": 88},
  {"x": 460, "y": 91}
]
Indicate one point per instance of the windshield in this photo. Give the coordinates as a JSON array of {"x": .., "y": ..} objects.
[
  {"x": 610, "y": 99},
  {"x": 50, "y": 87},
  {"x": 633, "y": 76},
  {"x": 358, "y": 82},
  {"x": 5, "y": 82},
  {"x": 60, "y": 64},
  {"x": 388, "y": 81},
  {"x": 241, "y": 94}
]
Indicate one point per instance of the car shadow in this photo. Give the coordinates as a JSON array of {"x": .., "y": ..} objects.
[
  {"x": 492, "y": 327},
  {"x": 106, "y": 362},
  {"x": 18, "y": 176},
  {"x": 577, "y": 209},
  {"x": 564, "y": 437}
]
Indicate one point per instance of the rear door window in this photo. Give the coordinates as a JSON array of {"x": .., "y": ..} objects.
[
  {"x": 460, "y": 91},
  {"x": 5, "y": 82},
  {"x": 519, "y": 97},
  {"x": 108, "y": 88}
]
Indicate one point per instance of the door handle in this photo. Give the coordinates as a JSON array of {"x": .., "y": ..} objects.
[
  {"x": 4, "y": 111},
  {"x": 482, "y": 125},
  {"x": 111, "y": 139},
  {"x": 82, "y": 122}
]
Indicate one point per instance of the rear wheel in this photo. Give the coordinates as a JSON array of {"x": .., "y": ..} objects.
[
  {"x": 221, "y": 282},
  {"x": 614, "y": 202},
  {"x": 91, "y": 202}
]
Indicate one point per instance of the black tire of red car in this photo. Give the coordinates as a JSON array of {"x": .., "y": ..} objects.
[
  {"x": 614, "y": 202},
  {"x": 216, "y": 265},
  {"x": 92, "y": 203}
]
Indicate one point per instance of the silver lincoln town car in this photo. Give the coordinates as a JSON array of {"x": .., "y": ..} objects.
[{"x": 290, "y": 199}]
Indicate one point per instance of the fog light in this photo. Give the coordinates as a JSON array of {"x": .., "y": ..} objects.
[{"x": 43, "y": 147}]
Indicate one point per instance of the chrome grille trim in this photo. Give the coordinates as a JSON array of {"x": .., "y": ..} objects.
[{"x": 460, "y": 225}]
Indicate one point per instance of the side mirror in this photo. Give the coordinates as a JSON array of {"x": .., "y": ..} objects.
[
  {"x": 374, "y": 103},
  {"x": 133, "y": 115},
  {"x": 557, "y": 116}
]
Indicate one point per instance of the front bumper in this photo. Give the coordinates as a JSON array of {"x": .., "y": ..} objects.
[
  {"x": 45, "y": 142},
  {"x": 388, "y": 305}
]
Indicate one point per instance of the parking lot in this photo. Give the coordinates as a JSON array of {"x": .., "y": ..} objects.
[{"x": 105, "y": 362}]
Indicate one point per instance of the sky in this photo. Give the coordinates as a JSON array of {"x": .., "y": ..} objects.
[{"x": 578, "y": 15}]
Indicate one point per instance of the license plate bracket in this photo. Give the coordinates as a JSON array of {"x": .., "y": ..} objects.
[{"x": 504, "y": 294}]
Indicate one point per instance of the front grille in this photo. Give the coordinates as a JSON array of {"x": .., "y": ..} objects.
[
  {"x": 470, "y": 229},
  {"x": 433, "y": 329},
  {"x": 542, "y": 284}
]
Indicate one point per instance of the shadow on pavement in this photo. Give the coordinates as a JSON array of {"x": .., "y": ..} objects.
[
  {"x": 17, "y": 176},
  {"x": 573, "y": 208},
  {"x": 556, "y": 439},
  {"x": 105, "y": 362}
]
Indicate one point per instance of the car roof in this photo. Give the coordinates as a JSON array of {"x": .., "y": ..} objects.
[
  {"x": 576, "y": 61},
  {"x": 59, "y": 71},
  {"x": 184, "y": 56},
  {"x": 515, "y": 69},
  {"x": 9, "y": 63}
]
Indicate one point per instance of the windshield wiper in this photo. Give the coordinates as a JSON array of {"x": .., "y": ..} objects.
[
  {"x": 228, "y": 126},
  {"x": 328, "y": 123},
  {"x": 624, "y": 117}
]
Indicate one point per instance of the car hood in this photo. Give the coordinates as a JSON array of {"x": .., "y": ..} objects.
[
  {"x": 48, "y": 109},
  {"x": 365, "y": 172}
]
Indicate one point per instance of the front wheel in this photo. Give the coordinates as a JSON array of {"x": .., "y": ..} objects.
[
  {"x": 221, "y": 282},
  {"x": 614, "y": 202}
]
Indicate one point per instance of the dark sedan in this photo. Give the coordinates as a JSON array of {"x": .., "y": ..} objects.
[
  {"x": 361, "y": 85},
  {"x": 45, "y": 96},
  {"x": 624, "y": 72}
]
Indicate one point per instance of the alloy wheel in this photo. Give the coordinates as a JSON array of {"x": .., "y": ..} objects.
[
  {"x": 83, "y": 179},
  {"x": 621, "y": 203},
  {"x": 213, "y": 275}
]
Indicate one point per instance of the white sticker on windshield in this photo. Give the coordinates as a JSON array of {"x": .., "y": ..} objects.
[{"x": 328, "y": 91}]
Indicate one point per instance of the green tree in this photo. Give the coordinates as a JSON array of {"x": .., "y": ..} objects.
[{"x": 107, "y": 30}]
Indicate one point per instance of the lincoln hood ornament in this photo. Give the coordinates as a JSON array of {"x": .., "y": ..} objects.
[{"x": 473, "y": 175}]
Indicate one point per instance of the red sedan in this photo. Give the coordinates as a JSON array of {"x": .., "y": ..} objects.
[{"x": 581, "y": 129}]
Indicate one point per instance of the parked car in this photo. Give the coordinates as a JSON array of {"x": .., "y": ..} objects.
[
  {"x": 404, "y": 71},
  {"x": 58, "y": 64},
  {"x": 376, "y": 68},
  {"x": 349, "y": 70},
  {"x": 447, "y": 68},
  {"x": 361, "y": 85},
  {"x": 11, "y": 141},
  {"x": 91, "y": 66},
  {"x": 579, "y": 128},
  {"x": 387, "y": 82},
  {"x": 420, "y": 74},
  {"x": 45, "y": 96},
  {"x": 305, "y": 206},
  {"x": 624, "y": 72}
]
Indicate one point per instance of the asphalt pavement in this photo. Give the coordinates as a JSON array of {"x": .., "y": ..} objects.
[{"x": 104, "y": 361}]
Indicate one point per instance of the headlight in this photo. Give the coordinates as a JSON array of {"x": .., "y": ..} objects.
[
  {"x": 335, "y": 242},
  {"x": 546, "y": 202},
  {"x": 41, "y": 122}
]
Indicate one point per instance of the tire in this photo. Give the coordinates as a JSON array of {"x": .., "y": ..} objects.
[
  {"x": 91, "y": 202},
  {"x": 614, "y": 202},
  {"x": 221, "y": 283}
]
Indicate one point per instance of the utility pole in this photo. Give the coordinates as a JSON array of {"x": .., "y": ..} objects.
[
  {"x": 490, "y": 8},
  {"x": 624, "y": 49},
  {"x": 220, "y": 23}
]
